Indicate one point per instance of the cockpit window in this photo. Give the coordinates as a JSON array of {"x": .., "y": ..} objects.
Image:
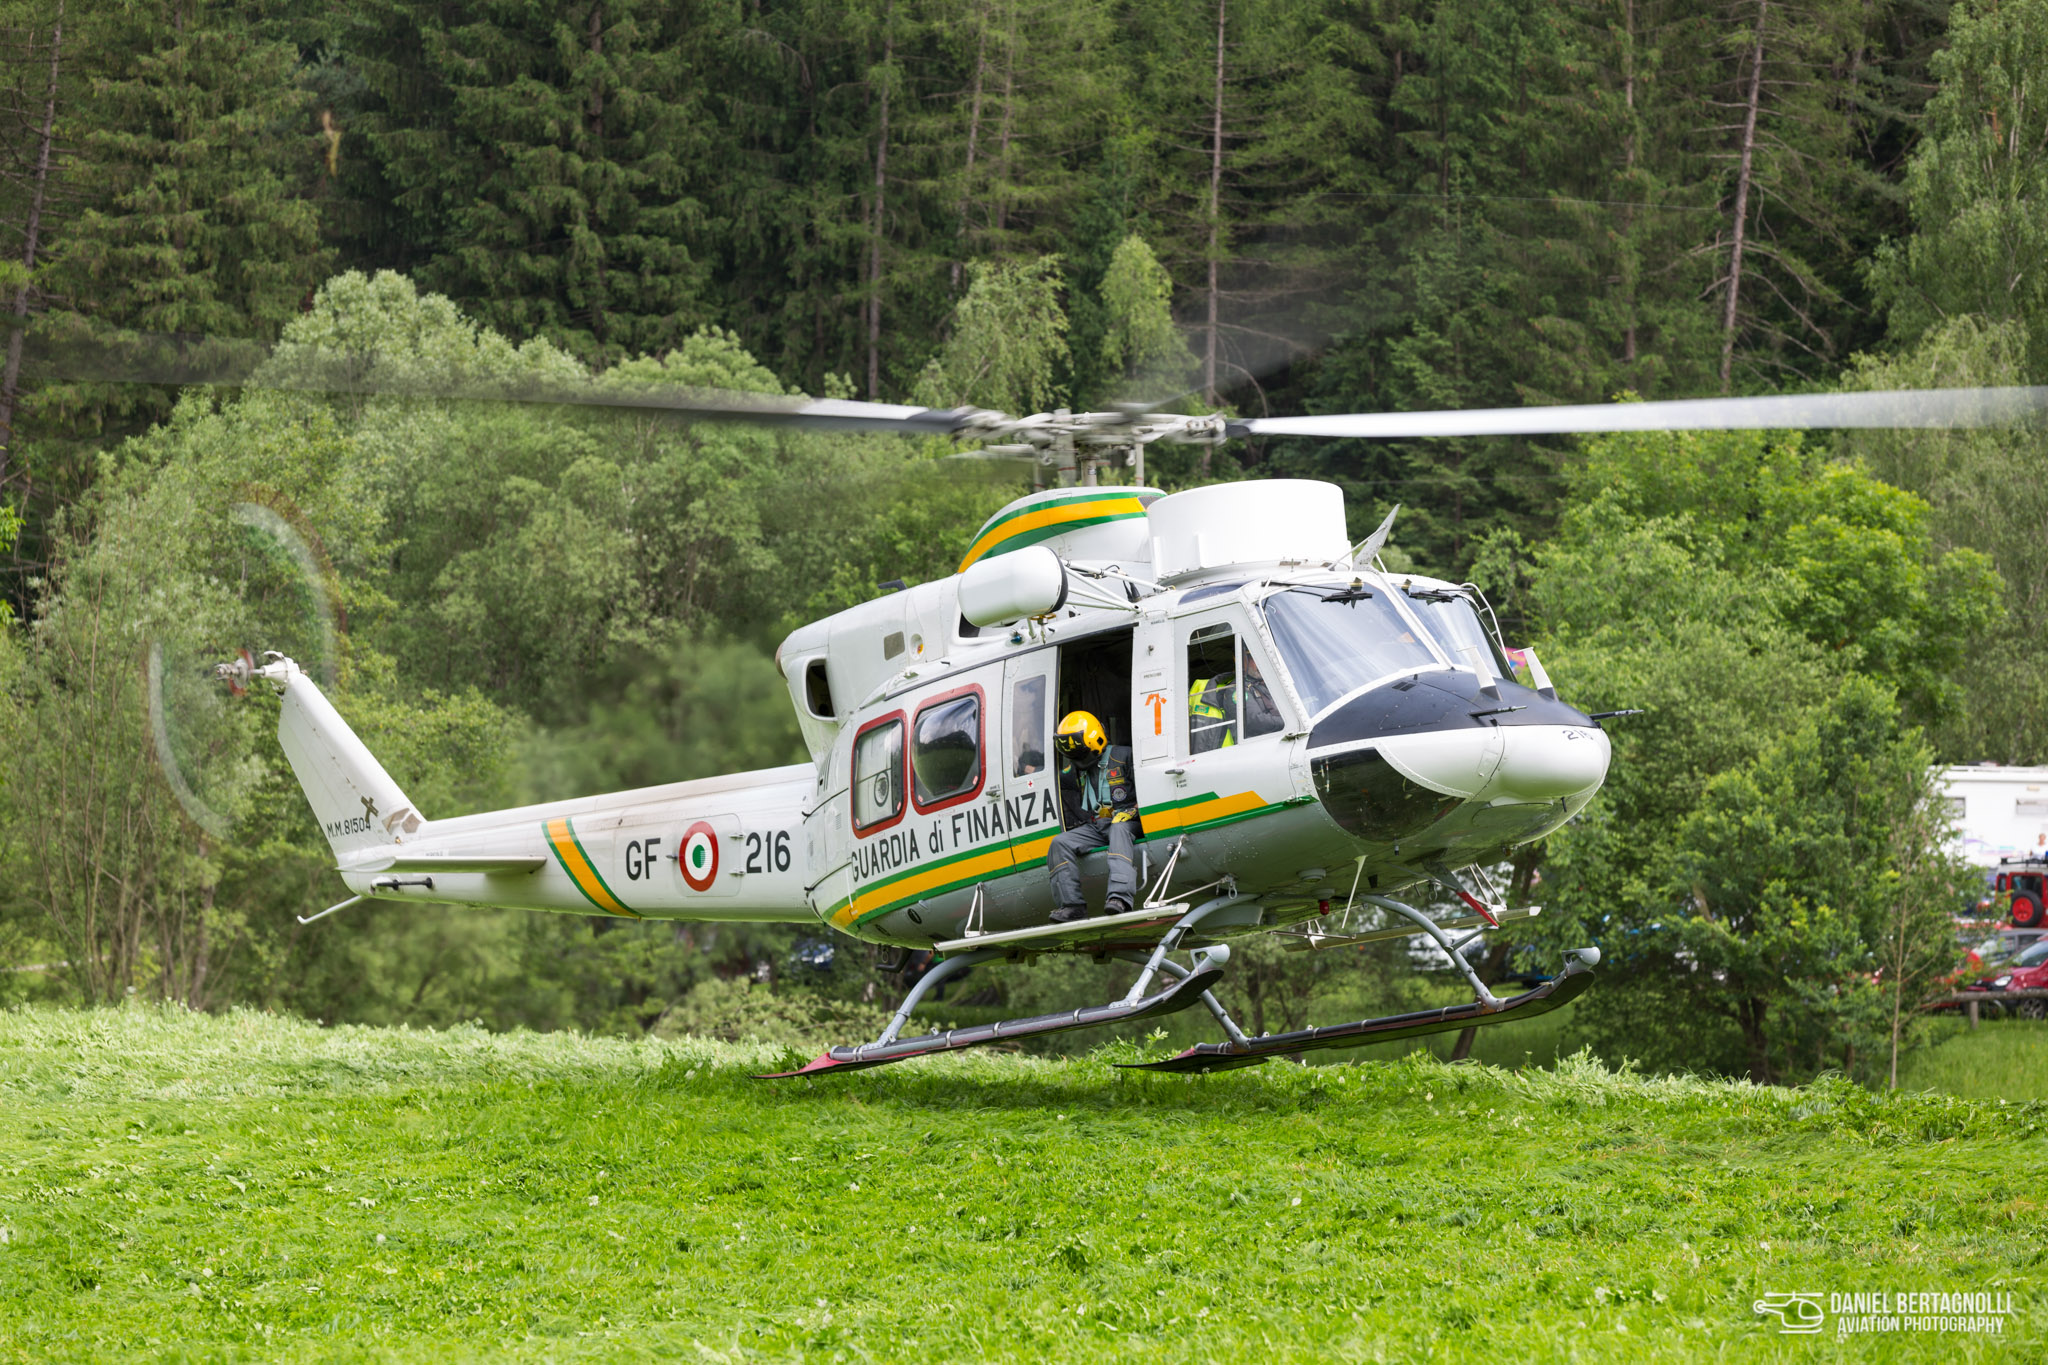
[
  {"x": 1455, "y": 623},
  {"x": 1335, "y": 641}
]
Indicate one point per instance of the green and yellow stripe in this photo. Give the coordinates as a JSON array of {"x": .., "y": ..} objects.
[
  {"x": 936, "y": 878},
  {"x": 568, "y": 849},
  {"x": 1206, "y": 812},
  {"x": 1045, "y": 515},
  {"x": 961, "y": 870}
]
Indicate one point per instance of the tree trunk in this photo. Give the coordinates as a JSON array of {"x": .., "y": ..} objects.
[
  {"x": 880, "y": 205},
  {"x": 1741, "y": 215},
  {"x": 596, "y": 128},
  {"x": 1215, "y": 227},
  {"x": 10, "y": 381},
  {"x": 1628, "y": 264},
  {"x": 1749, "y": 1014},
  {"x": 597, "y": 84},
  {"x": 973, "y": 140},
  {"x": 1463, "y": 1048},
  {"x": 1009, "y": 124}
]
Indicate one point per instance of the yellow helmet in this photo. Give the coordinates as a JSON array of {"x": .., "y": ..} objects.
[{"x": 1081, "y": 735}]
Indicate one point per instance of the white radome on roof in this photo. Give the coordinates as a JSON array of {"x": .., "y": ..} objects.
[{"x": 1257, "y": 524}]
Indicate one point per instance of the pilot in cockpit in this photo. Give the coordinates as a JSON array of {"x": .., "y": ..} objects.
[{"x": 1213, "y": 704}]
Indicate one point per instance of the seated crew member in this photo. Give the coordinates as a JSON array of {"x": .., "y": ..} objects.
[
  {"x": 1100, "y": 803},
  {"x": 1212, "y": 713},
  {"x": 1261, "y": 717},
  {"x": 1212, "y": 708}
]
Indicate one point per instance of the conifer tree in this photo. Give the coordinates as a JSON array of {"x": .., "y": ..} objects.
[
  {"x": 34, "y": 57},
  {"x": 1978, "y": 184},
  {"x": 194, "y": 149},
  {"x": 550, "y": 163},
  {"x": 176, "y": 207}
]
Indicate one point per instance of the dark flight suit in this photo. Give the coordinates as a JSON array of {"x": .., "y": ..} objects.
[{"x": 1100, "y": 805}]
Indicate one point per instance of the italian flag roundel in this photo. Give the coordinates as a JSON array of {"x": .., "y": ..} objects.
[{"x": 699, "y": 856}]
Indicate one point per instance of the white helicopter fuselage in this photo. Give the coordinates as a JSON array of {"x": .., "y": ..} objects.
[{"x": 1301, "y": 728}]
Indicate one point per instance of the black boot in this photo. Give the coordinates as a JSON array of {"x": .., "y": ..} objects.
[{"x": 1070, "y": 914}]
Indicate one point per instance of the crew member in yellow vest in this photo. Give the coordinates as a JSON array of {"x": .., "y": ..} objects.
[
  {"x": 1213, "y": 703},
  {"x": 1099, "y": 802},
  {"x": 1212, "y": 713}
]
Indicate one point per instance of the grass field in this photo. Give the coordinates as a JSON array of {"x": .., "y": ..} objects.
[
  {"x": 181, "y": 1187},
  {"x": 2001, "y": 1060}
]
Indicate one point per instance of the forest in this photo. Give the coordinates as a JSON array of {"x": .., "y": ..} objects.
[{"x": 1253, "y": 206}]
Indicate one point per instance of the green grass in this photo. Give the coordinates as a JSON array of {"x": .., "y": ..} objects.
[
  {"x": 2004, "y": 1059},
  {"x": 178, "y": 1187}
]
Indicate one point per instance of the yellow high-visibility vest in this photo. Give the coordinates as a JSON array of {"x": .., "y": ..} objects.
[{"x": 1198, "y": 707}]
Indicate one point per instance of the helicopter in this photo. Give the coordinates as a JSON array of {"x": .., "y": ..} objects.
[{"x": 1366, "y": 738}]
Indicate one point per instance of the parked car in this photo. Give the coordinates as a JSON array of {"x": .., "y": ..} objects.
[
  {"x": 2028, "y": 972},
  {"x": 1997, "y": 949}
]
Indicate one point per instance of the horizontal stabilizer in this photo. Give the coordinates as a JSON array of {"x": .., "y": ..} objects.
[
  {"x": 453, "y": 862},
  {"x": 1143, "y": 925}
]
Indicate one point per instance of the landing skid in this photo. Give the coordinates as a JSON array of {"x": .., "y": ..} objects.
[
  {"x": 1559, "y": 990},
  {"x": 1186, "y": 991},
  {"x": 1190, "y": 985}
]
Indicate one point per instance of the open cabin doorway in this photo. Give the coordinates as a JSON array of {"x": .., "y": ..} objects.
[{"x": 1095, "y": 675}]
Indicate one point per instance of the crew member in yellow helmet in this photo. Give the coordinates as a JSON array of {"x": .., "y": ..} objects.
[{"x": 1099, "y": 803}]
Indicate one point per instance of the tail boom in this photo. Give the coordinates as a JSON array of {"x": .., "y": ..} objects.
[{"x": 723, "y": 848}]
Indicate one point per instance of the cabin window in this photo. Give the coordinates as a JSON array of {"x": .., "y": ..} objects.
[
  {"x": 892, "y": 644},
  {"x": 878, "y": 775},
  {"x": 1027, "y": 726},
  {"x": 945, "y": 750},
  {"x": 818, "y": 690},
  {"x": 1229, "y": 699}
]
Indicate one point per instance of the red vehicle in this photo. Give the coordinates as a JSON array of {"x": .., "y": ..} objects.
[
  {"x": 2026, "y": 879},
  {"x": 2028, "y": 972}
]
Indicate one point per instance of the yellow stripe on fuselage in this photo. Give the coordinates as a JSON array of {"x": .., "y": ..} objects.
[
  {"x": 568, "y": 852},
  {"x": 908, "y": 887},
  {"x": 980, "y": 867},
  {"x": 1081, "y": 509},
  {"x": 1158, "y": 822}
]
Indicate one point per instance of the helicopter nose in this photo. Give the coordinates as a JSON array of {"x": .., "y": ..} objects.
[
  {"x": 1550, "y": 762},
  {"x": 1392, "y": 761}
]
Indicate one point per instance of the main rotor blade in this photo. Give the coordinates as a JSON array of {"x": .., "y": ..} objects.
[
  {"x": 1889, "y": 408},
  {"x": 209, "y": 362}
]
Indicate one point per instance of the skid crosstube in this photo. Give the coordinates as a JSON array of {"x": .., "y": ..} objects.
[
  {"x": 1179, "y": 996},
  {"x": 1559, "y": 990}
]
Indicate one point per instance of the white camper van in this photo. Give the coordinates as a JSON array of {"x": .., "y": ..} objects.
[{"x": 1999, "y": 812}]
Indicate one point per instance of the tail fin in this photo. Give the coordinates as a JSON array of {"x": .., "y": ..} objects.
[{"x": 357, "y": 804}]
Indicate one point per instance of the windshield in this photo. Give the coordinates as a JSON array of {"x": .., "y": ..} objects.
[
  {"x": 2034, "y": 956},
  {"x": 1335, "y": 642},
  {"x": 1455, "y": 623}
]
